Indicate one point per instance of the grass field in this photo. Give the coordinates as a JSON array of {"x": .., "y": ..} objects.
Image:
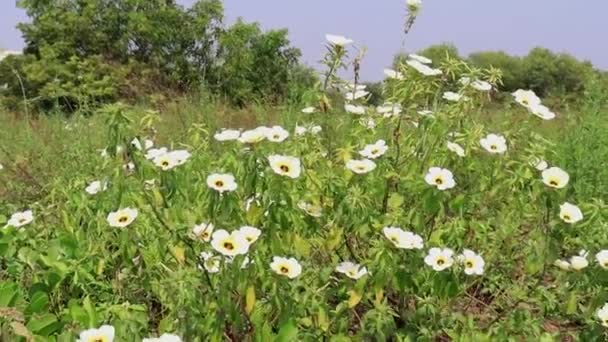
[{"x": 181, "y": 262}]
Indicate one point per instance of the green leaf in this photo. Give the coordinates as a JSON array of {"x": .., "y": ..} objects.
[
  {"x": 44, "y": 325},
  {"x": 90, "y": 310},
  {"x": 38, "y": 303},
  {"x": 8, "y": 294},
  {"x": 288, "y": 332}
]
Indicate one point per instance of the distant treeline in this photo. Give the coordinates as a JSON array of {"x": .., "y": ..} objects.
[{"x": 80, "y": 54}]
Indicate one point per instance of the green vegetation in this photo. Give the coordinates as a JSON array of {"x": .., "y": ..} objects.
[{"x": 429, "y": 207}]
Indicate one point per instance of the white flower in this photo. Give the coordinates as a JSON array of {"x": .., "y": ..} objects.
[
  {"x": 354, "y": 109},
  {"x": 285, "y": 165},
  {"x": 210, "y": 263},
  {"x": 420, "y": 59},
  {"x": 555, "y": 177},
  {"x": 473, "y": 262},
  {"x": 105, "y": 333},
  {"x": 311, "y": 209},
  {"x": 369, "y": 123},
  {"x": 96, "y": 187},
  {"x": 276, "y": 134},
  {"x": 155, "y": 153},
  {"x": 1, "y": 167},
  {"x": 562, "y": 264},
  {"x": 288, "y": 267},
  {"x": 351, "y": 270},
  {"x": 439, "y": 259},
  {"x": 163, "y": 338},
  {"x": 452, "y": 96},
  {"x": 402, "y": 239},
  {"x": 221, "y": 182},
  {"x": 542, "y": 112},
  {"x": 443, "y": 179},
  {"x": 227, "y": 135},
  {"x": 539, "y": 164},
  {"x": 602, "y": 314},
  {"x": 255, "y": 135},
  {"x": 251, "y": 234},
  {"x": 300, "y": 130},
  {"x": 570, "y": 213},
  {"x": 425, "y": 112},
  {"x": 229, "y": 244},
  {"x": 423, "y": 69},
  {"x": 389, "y": 109},
  {"x": 602, "y": 258},
  {"x": 494, "y": 143},
  {"x": 122, "y": 217},
  {"x": 481, "y": 85},
  {"x": 350, "y": 96},
  {"x": 315, "y": 129},
  {"x": 179, "y": 156},
  {"x": 375, "y": 150},
  {"x": 360, "y": 166},
  {"x": 165, "y": 161},
  {"x": 390, "y": 73},
  {"x": 309, "y": 110},
  {"x": 526, "y": 98},
  {"x": 454, "y": 147},
  {"x": 354, "y": 87},
  {"x": 203, "y": 231},
  {"x": 338, "y": 40},
  {"x": 20, "y": 219},
  {"x": 129, "y": 167},
  {"x": 4, "y": 54},
  {"x": 578, "y": 262},
  {"x": 136, "y": 143}
]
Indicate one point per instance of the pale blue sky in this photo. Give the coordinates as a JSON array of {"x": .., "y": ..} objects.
[{"x": 576, "y": 27}]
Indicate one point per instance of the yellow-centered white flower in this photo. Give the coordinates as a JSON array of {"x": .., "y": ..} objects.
[
  {"x": 105, "y": 333},
  {"x": 473, "y": 263},
  {"x": 526, "y": 98},
  {"x": 202, "y": 231},
  {"x": 20, "y": 219},
  {"x": 602, "y": 258},
  {"x": 423, "y": 69},
  {"x": 287, "y": 267},
  {"x": 494, "y": 143},
  {"x": 229, "y": 244},
  {"x": 211, "y": 263},
  {"x": 390, "y": 73},
  {"x": 360, "y": 166},
  {"x": 251, "y": 234},
  {"x": 555, "y": 177},
  {"x": 255, "y": 135},
  {"x": 276, "y": 134},
  {"x": 452, "y": 96},
  {"x": 420, "y": 59},
  {"x": 578, "y": 262},
  {"x": 570, "y": 213},
  {"x": 403, "y": 239},
  {"x": 443, "y": 179},
  {"x": 285, "y": 165},
  {"x": 351, "y": 270},
  {"x": 439, "y": 258},
  {"x": 122, "y": 217},
  {"x": 222, "y": 182},
  {"x": 351, "y": 96},
  {"x": 375, "y": 150},
  {"x": 542, "y": 112}
]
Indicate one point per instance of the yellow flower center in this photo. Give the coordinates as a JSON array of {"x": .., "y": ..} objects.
[
  {"x": 567, "y": 217},
  {"x": 553, "y": 182},
  {"x": 375, "y": 151},
  {"x": 525, "y": 101},
  {"x": 284, "y": 168},
  {"x": 439, "y": 180},
  {"x": 284, "y": 269},
  {"x": 165, "y": 163},
  {"x": 493, "y": 147},
  {"x": 351, "y": 273},
  {"x": 123, "y": 219},
  {"x": 97, "y": 339},
  {"x": 394, "y": 239},
  {"x": 440, "y": 261},
  {"x": 605, "y": 264},
  {"x": 469, "y": 264},
  {"x": 21, "y": 220},
  {"x": 276, "y": 137},
  {"x": 219, "y": 184},
  {"x": 360, "y": 168},
  {"x": 229, "y": 245}
]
